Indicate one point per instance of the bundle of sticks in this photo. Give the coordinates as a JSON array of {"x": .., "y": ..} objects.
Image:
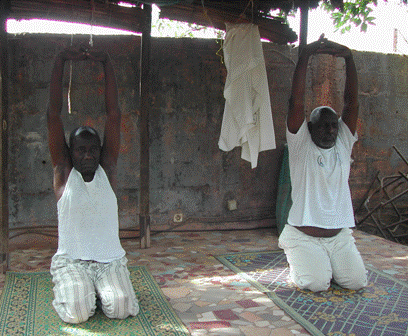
[{"x": 384, "y": 210}]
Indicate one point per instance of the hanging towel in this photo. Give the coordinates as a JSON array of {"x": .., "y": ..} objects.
[{"x": 247, "y": 120}]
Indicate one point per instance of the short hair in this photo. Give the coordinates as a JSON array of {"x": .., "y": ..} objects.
[
  {"x": 317, "y": 112},
  {"x": 83, "y": 131}
]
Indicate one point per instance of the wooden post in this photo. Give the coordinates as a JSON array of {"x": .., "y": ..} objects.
[
  {"x": 304, "y": 17},
  {"x": 144, "y": 210},
  {"x": 4, "y": 213}
]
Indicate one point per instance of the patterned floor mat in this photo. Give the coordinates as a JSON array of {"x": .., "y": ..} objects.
[
  {"x": 379, "y": 309},
  {"x": 26, "y": 309}
]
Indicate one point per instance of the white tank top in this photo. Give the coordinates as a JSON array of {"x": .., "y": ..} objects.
[{"x": 88, "y": 226}]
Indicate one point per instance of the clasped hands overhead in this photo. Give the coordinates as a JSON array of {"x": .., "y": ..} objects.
[
  {"x": 82, "y": 53},
  {"x": 324, "y": 46}
]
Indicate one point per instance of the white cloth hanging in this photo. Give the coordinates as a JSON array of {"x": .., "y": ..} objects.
[{"x": 247, "y": 120}]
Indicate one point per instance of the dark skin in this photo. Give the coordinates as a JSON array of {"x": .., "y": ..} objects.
[
  {"x": 86, "y": 153},
  {"x": 324, "y": 131}
]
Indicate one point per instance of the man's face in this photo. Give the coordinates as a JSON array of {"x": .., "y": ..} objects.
[
  {"x": 324, "y": 131},
  {"x": 85, "y": 154}
]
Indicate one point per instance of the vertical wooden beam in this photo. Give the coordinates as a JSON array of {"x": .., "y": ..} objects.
[
  {"x": 4, "y": 213},
  {"x": 144, "y": 209},
  {"x": 304, "y": 17}
]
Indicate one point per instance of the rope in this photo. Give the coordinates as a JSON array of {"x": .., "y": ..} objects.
[
  {"x": 206, "y": 14},
  {"x": 219, "y": 53},
  {"x": 70, "y": 80},
  {"x": 242, "y": 15},
  {"x": 92, "y": 23},
  {"x": 221, "y": 41}
]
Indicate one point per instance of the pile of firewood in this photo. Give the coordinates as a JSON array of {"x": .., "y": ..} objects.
[{"x": 384, "y": 211}]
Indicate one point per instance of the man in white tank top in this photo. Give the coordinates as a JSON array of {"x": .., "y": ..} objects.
[
  {"x": 317, "y": 239},
  {"x": 90, "y": 262}
]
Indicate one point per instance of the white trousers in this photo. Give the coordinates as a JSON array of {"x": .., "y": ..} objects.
[
  {"x": 314, "y": 262},
  {"x": 78, "y": 283}
]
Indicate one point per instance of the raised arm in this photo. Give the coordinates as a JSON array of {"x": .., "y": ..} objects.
[
  {"x": 59, "y": 151},
  {"x": 296, "y": 114},
  {"x": 296, "y": 103},
  {"x": 351, "y": 105},
  {"x": 56, "y": 138},
  {"x": 111, "y": 143}
]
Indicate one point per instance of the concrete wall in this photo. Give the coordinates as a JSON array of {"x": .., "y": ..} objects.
[{"x": 189, "y": 174}]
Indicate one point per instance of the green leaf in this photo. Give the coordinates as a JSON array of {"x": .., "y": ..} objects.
[{"x": 358, "y": 12}]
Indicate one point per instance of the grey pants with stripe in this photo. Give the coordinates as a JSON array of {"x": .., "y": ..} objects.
[{"x": 78, "y": 283}]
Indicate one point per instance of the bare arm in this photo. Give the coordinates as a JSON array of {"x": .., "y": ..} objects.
[
  {"x": 56, "y": 137},
  {"x": 296, "y": 104},
  {"x": 111, "y": 143},
  {"x": 296, "y": 114},
  {"x": 59, "y": 151},
  {"x": 351, "y": 105}
]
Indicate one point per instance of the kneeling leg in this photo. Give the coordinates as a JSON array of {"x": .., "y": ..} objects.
[
  {"x": 116, "y": 291},
  {"x": 74, "y": 293},
  {"x": 309, "y": 262},
  {"x": 348, "y": 266}
]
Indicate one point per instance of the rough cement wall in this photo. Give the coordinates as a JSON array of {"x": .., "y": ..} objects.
[
  {"x": 189, "y": 174},
  {"x": 383, "y": 118}
]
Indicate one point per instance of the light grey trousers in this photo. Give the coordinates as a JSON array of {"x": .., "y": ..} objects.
[
  {"x": 315, "y": 261},
  {"x": 77, "y": 283}
]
